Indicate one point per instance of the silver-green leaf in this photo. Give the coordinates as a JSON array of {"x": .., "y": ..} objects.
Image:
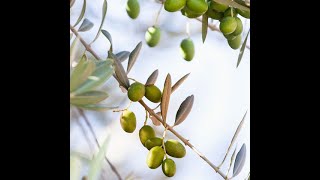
[
  {"x": 90, "y": 97},
  {"x": 96, "y": 107},
  {"x": 184, "y": 110},
  {"x": 120, "y": 73},
  {"x": 133, "y": 56},
  {"x": 108, "y": 36},
  {"x": 165, "y": 99},
  {"x": 104, "y": 13},
  {"x": 83, "y": 10},
  {"x": 243, "y": 47},
  {"x": 240, "y": 160},
  {"x": 152, "y": 78},
  {"x": 204, "y": 26},
  {"x": 233, "y": 4},
  {"x": 86, "y": 25},
  {"x": 123, "y": 55},
  {"x": 178, "y": 83}
]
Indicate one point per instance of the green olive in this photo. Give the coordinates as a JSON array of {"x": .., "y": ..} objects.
[
  {"x": 136, "y": 92},
  {"x": 133, "y": 8},
  {"x": 245, "y": 14},
  {"x": 229, "y": 36},
  {"x": 152, "y": 36},
  {"x": 187, "y": 49},
  {"x": 197, "y": 6},
  {"x": 228, "y": 25},
  {"x": 218, "y": 7},
  {"x": 235, "y": 43},
  {"x": 153, "y": 93},
  {"x": 188, "y": 13},
  {"x": 228, "y": 12},
  {"x": 174, "y": 5},
  {"x": 214, "y": 14},
  {"x": 152, "y": 142},
  {"x": 155, "y": 157},
  {"x": 168, "y": 167},
  {"x": 145, "y": 133},
  {"x": 175, "y": 148},
  {"x": 239, "y": 27},
  {"x": 128, "y": 121}
]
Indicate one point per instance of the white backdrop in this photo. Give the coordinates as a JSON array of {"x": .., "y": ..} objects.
[{"x": 222, "y": 92}]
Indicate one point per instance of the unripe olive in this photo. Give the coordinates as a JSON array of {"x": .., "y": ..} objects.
[
  {"x": 218, "y": 7},
  {"x": 175, "y": 148},
  {"x": 153, "y": 93},
  {"x": 214, "y": 14},
  {"x": 228, "y": 25},
  {"x": 197, "y": 6},
  {"x": 229, "y": 36},
  {"x": 187, "y": 49},
  {"x": 228, "y": 12},
  {"x": 239, "y": 27},
  {"x": 235, "y": 43},
  {"x": 152, "y": 142},
  {"x": 168, "y": 167},
  {"x": 133, "y": 8},
  {"x": 155, "y": 157},
  {"x": 188, "y": 13},
  {"x": 174, "y": 5},
  {"x": 128, "y": 121},
  {"x": 136, "y": 92},
  {"x": 145, "y": 133},
  {"x": 245, "y": 14},
  {"x": 152, "y": 36}
]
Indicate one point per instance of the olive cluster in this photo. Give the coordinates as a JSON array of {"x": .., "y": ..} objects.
[{"x": 157, "y": 149}]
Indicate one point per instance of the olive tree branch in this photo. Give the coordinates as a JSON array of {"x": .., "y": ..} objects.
[{"x": 184, "y": 140}]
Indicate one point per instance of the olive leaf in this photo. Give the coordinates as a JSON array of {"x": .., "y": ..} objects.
[
  {"x": 81, "y": 72},
  {"x": 154, "y": 120},
  {"x": 108, "y": 36},
  {"x": 83, "y": 10},
  {"x": 240, "y": 159},
  {"x": 120, "y": 73},
  {"x": 243, "y": 47},
  {"x": 204, "y": 26},
  {"x": 184, "y": 110},
  {"x": 73, "y": 49},
  {"x": 123, "y": 55},
  {"x": 86, "y": 25},
  {"x": 104, "y": 13},
  {"x": 232, "y": 160},
  {"x": 75, "y": 167},
  {"x": 102, "y": 73},
  {"x": 133, "y": 56},
  {"x": 233, "y": 140},
  {"x": 95, "y": 165},
  {"x": 152, "y": 78},
  {"x": 96, "y": 107},
  {"x": 243, "y": 3},
  {"x": 90, "y": 97},
  {"x": 233, "y": 4},
  {"x": 178, "y": 83},
  {"x": 165, "y": 99}
]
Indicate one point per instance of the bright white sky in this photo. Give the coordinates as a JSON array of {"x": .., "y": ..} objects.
[{"x": 222, "y": 91}]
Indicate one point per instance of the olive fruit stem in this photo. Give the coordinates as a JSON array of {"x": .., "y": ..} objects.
[
  {"x": 188, "y": 28},
  {"x": 145, "y": 121},
  {"x": 185, "y": 141},
  {"x": 158, "y": 14},
  {"x": 231, "y": 11}
]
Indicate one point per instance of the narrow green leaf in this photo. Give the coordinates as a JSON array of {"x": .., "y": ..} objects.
[
  {"x": 243, "y": 47},
  {"x": 240, "y": 160},
  {"x": 120, "y": 74},
  {"x": 152, "y": 78},
  {"x": 90, "y": 97},
  {"x": 96, "y": 107},
  {"x": 104, "y": 13},
  {"x": 97, "y": 162},
  {"x": 233, "y": 4},
  {"x": 73, "y": 49},
  {"x": 81, "y": 73},
  {"x": 102, "y": 73},
  {"x": 165, "y": 99},
  {"x": 179, "y": 82},
  {"x": 108, "y": 36},
  {"x": 83, "y": 10},
  {"x": 184, "y": 110},
  {"x": 204, "y": 26},
  {"x": 123, "y": 55},
  {"x": 86, "y": 25},
  {"x": 133, "y": 56}
]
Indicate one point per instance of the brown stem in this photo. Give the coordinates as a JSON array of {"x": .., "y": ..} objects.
[
  {"x": 96, "y": 140},
  {"x": 186, "y": 142},
  {"x": 215, "y": 28}
]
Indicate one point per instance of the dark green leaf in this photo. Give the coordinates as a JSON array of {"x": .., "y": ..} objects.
[
  {"x": 204, "y": 26},
  {"x": 86, "y": 25},
  {"x": 243, "y": 47}
]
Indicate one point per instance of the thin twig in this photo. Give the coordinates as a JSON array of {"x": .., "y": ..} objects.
[
  {"x": 215, "y": 28},
  {"x": 170, "y": 128},
  {"x": 96, "y": 140}
]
